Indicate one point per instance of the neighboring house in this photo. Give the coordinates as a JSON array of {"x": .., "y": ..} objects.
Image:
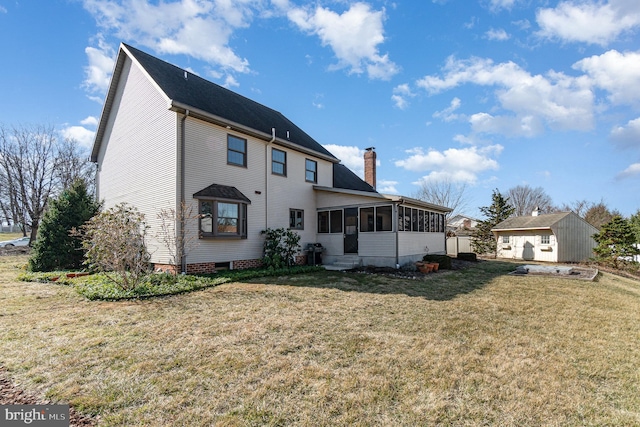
[
  {"x": 461, "y": 225},
  {"x": 556, "y": 237},
  {"x": 167, "y": 137},
  {"x": 459, "y": 230}
]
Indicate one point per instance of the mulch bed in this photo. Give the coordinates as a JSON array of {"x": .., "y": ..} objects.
[
  {"x": 11, "y": 394},
  {"x": 411, "y": 273}
]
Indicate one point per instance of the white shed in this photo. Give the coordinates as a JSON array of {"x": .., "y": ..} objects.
[{"x": 556, "y": 237}]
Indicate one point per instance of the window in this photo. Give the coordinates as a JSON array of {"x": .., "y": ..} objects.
[
  {"x": 366, "y": 220},
  {"x": 278, "y": 162},
  {"x": 296, "y": 219},
  {"x": 505, "y": 239},
  {"x": 421, "y": 221},
  {"x": 414, "y": 220},
  {"x": 323, "y": 222},
  {"x": 311, "y": 171},
  {"x": 236, "y": 151},
  {"x": 335, "y": 221},
  {"x": 545, "y": 240},
  {"x": 383, "y": 218},
  {"x": 222, "y": 219},
  {"x": 400, "y": 218},
  {"x": 330, "y": 221}
]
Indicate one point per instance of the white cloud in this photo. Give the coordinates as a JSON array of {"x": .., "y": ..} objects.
[
  {"x": 454, "y": 164},
  {"x": 350, "y": 156},
  {"x": 90, "y": 121},
  {"x": 617, "y": 73},
  {"x": 496, "y": 5},
  {"x": 201, "y": 29},
  {"x": 98, "y": 72},
  {"x": 629, "y": 172},
  {"x": 3, "y": 9},
  {"x": 448, "y": 113},
  {"x": 353, "y": 36},
  {"x": 387, "y": 187},
  {"x": 81, "y": 134},
  {"x": 230, "y": 81},
  {"x": 400, "y": 96},
  {"x": 627, "y": 136},
  {"x": 556, "y": 100},
  {"x": 594, "y": 22},
  {"x": 497, "y": 35}
]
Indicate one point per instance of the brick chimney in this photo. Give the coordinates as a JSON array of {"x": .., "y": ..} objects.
[{"x": 370, "y": 166}]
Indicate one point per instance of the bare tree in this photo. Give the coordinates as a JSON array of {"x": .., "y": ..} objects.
[
  {"x": 579, "y": 207},
  {"x": 444, "y": 192},
  {"x": 175, "y": 234},
  {"x": 599, "y": 214},
  {"x": 73, "y": 164},
  {"x": 525, "y": 200},
  {"x": 596, "y": 214},
  {"x": 34, "y": 166}
]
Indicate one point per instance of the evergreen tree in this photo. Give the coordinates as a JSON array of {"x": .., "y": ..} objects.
[
  {"x": 616, "y": 242},
  {"x": 634, "y": 221},
  {"x": 483, "y": 240},
  {"x": 54, "y": 248}
]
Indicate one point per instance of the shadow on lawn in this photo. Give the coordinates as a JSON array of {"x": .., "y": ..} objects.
[{"x": 441, "y": 286}]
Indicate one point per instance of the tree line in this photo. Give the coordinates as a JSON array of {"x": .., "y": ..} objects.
[{"x": 36, "y": 164}]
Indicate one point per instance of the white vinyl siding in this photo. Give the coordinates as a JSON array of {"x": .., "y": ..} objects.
[
  {"x": 206, "y": 160},
  {"x": 137, "y": 160}
]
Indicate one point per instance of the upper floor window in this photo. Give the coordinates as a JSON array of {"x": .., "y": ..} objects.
[
  {"x": 278, "y": 162},
  {"x": 236, "y": 151},
  {"x": 311, "y": 171}
]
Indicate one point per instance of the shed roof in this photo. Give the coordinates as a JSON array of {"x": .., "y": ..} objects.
[
  {"x": 193, "y": 92},
  {"x": 544, "y": 221}
]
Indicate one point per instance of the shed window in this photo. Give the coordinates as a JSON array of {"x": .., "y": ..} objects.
[
  {"x": 505, "y": 239},
  {"x": 545, "y": 240}
]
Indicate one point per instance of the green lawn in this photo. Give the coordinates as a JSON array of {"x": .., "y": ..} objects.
[{"x": 470, "y": 347}]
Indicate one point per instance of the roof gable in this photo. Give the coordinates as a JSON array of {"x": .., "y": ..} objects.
[{"x": 189, "y": 89}]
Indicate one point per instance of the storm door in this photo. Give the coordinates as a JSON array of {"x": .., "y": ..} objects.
[{"x": 351, "y": 231}]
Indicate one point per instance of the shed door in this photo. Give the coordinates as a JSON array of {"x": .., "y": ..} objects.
[
  {"x": 528, "y": 249},
  {"x": 351, "y": 231}
]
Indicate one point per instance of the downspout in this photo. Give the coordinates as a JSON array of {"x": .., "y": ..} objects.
[
  {"x": 266, "y": 178},
  {"x": 180, "y": 228},
  {"x": 397, "y": 207}
]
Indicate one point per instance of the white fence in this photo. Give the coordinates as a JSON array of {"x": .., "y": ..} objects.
[{"x": 457, "y": 244}]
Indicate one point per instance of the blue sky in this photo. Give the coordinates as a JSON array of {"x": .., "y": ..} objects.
[{"x": 488, "y": 93}]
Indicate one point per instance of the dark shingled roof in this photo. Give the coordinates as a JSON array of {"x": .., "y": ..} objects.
[
  {"x": 211, "y": 98},
  {"x": 344, "y": 178},
  {"x": 531, "y": 222},
  {"x": 217, "y": 191}
]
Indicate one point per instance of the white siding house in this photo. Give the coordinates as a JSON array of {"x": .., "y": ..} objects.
[
  {"x": 168, "y": 137},
  {"x": 557, "y": 237}
]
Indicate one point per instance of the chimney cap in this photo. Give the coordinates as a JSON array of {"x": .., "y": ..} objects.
[{"x": 370, "y": 148}]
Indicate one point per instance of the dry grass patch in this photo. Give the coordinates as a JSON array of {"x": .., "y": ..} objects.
[{"x": 472, "y": 347}]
